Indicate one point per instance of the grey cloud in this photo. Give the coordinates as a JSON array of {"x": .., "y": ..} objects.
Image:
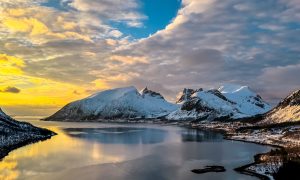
[
  {"x": 223, "y": 43},
  {"x": 10, "y": 89},
  {"x": 71, "y": 68},
  {"x": 277, "y": 82}
]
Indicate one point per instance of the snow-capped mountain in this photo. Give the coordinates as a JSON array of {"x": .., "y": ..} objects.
[
  {"x": 14, "y": 133},
  {"x": 227, "y": 102},
  {"x": 186, "y": 95},
  {"x": 288, "y": 110},
  {"x": 116, "y": 103},
  {"x": 247, "y": 101}
]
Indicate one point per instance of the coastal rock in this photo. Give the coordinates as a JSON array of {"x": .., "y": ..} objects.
[
  {"x": 209, "y": 169},
  {"x": 14, "y": 134}
]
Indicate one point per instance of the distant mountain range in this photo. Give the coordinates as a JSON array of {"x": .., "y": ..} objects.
[
  {"x": 228, "y": 102},
  {"x": 14, "y": 134}
]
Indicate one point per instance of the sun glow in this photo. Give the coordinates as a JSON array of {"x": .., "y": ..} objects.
[
  {"x": 10, "y": 169},
  {"x": 34, "y": 92}
]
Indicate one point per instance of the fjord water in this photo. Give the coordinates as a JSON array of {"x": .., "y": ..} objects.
[{"x": 126, "y": 151}]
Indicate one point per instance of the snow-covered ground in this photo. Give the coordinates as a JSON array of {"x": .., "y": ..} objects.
[
  {"x": 281, "y": 136},
  {"x": 266, "y": 169},
  {"x": 247, "y": 101}
]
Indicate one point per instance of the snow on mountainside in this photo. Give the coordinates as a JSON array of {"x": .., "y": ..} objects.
[
  {"x": 14, "y": 133},
  {"x": 247, "y": 101},
  {"x": 228, "y": 102},
  {"x": 287, "y": 110},
  {"x": 116, "y": 103}
]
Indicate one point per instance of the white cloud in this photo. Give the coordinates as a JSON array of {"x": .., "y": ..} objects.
[{"x": 124, "y": 11}]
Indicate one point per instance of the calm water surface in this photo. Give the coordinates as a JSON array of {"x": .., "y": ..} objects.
[{"x": 126, "y": 151}]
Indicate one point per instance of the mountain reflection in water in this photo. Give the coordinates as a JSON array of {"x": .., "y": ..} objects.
[{"x": 126, "y": 151}]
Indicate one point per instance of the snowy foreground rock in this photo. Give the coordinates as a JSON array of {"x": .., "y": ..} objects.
[
  {"x": 14, "y": 134},
  {"x": 116, "y": 103},
  {"x": 227, "y": 102}
]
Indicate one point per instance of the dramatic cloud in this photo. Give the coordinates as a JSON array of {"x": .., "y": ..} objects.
[
  {"x": 77, "y": 47},
  {"x": 211, "y": 42}
]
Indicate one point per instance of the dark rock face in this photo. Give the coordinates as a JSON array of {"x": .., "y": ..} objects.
[
  {"x": 195, "y": 103},
  {"x": 258, "y": 101},
  {"x": 288, "y": 169},
  {"x": 219, "y": 94},
  {"x": 186, "y": 94},
  {"x": 146, "y": 91},
  {"x": 209, "y": 169}
]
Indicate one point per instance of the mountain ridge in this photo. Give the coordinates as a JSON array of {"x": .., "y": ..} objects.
[
  {"x": 124, "y": 102},
  {"x": 287, "y": 110},
  {"x": 228, "y": 102},
  {"x": 197, "y": 104}
]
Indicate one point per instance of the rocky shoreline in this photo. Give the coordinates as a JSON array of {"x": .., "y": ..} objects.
[
  {"x": 4, "y": 151},
  {"x": 281, "y": 137},
  {"x": 14, "y": 134}
]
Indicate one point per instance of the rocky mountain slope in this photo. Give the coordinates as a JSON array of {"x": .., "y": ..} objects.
[
  {"x": 14, "y": 134},
  {"x": 288, "y": 110},
  {"x": 116, "y": 103},
  {"x": 227, "y": 102}
]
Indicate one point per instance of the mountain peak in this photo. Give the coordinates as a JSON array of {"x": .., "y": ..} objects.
[
  {"x": 115, "y": 92},
  {"x": 233, "y": 88},
  {"x": 186, "y": 94},
  {"x": 146, "y": 91},
  {"x": 287, "y": 110},
  {"x": 229, "y": 101},
  {"x": 124, "y": 102},
  {"x": 293, "y": 99}
]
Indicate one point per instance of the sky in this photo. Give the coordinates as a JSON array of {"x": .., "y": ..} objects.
[{"x": 53, "y": 52}]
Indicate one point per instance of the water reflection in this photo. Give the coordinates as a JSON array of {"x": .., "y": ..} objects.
[
  {"x": 119, "y": 135},
  {"x": 114, "y": 151},
  {"x": 190, "y": 135},
  {"x": 58, "y": 153}
]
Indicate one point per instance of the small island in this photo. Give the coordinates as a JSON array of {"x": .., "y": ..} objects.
[{"x": 209, "y": 169}]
